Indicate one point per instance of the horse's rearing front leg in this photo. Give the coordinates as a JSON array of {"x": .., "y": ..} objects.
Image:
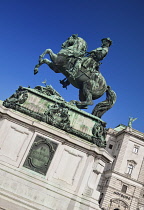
[
  {"x": 86, "y": 96},
  {"x": 42, "y": 61},
  {"x": 47, "y": 51},
  {"x": 52, "y": 55},
  {"x": 46, "y": 61},
  {"x": 49, "y": 63}
]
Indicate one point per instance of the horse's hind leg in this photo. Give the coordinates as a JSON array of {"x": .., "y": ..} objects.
[
  {"x": 87, "y": 93},
  {"x": 85, "y": 96}
]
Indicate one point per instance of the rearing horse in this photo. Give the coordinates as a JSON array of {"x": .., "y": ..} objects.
[{"x": 72, "y": 58}]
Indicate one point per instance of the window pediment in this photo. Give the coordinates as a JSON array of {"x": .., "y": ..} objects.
[{"x": 132, "y": 162}]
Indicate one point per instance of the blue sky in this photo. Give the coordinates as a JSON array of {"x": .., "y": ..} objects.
[{"x": 29, "y": 27}]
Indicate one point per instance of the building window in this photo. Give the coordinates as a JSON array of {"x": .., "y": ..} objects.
[
  {"x": 110, "y": 146},
  {"x": 130, "y": 169},
  {"x": 124, "y": 188},
  {"x": 135, "y": 149},
  {"x": 130, "y": 166}
]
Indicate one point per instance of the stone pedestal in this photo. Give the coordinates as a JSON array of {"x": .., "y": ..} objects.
[{"x": 51, "y": 154}]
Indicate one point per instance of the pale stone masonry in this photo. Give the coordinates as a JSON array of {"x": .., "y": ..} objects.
[
  {"x": 43, "y": 167},
  {"x": 52, "y": 157},
  {"x": 121, "y": 185}
]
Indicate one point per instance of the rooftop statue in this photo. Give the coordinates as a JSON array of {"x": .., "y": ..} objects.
[
  {"x": 81, "y": 69},
  {"x": 130, "y": 122}
]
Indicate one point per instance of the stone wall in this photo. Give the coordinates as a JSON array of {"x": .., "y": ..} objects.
[
  {"x": 128, "y": 147},
  {"x": 43, "y": 167}
]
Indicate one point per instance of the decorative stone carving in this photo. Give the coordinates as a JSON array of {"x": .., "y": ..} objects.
[
  {"x": 132, "y": 162},
  {"x": 99, "y": 134},
  {"x": 58, "y": 116},
  {"x": 49, "y": 91},
  {"x": 117, "y": 203},
  {"x": 40, "y": 155},
  {"x": 19, "y": 97},
  {"x": 57, "y": 113}
]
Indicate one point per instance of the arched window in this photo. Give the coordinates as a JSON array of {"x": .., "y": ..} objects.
[{"x": 116, "y": 204}]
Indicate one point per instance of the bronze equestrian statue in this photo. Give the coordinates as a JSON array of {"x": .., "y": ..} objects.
[{"x": 81, "y": 69}]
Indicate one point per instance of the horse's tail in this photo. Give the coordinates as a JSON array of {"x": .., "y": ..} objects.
[{"x": 104, "y": 106}]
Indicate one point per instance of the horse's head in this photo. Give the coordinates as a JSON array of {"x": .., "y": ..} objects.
[
  {"x": 76, "y": 44},
  {"x": 70, "y": 41}
]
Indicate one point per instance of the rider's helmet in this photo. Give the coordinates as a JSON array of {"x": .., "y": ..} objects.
[{"x": 108, "y": 40}]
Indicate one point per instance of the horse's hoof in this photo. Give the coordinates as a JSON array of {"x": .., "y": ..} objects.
[
  {"x": 81, "y": 106},
  {"x": 35, "y": 71}
]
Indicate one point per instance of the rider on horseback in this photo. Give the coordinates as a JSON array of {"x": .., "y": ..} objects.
[
  {"x": 92, "y": 62},
  {"x": 81, "y": 69}
]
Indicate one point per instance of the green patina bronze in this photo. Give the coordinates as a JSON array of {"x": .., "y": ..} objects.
[
  {"x": 46, "y": 105},
  {"x": 131, "y": 120},
  {"x": 104, "y": 106},
  {"x": 81, "y": 69},
  {"x": 40, "y": 155}
]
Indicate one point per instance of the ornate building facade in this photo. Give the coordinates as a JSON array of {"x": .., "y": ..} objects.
[{"x": 122, "y": 183}]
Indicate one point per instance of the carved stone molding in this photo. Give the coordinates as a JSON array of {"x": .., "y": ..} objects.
[
  {"x": 19, "y": 97},
  {"x": 132, "y": 162},
  {"x": 58, "y": 116},
  {"x": 49, "y": 91},
  {"x": 99, "y": 134},
  {"x": 118, "y": 203}
]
